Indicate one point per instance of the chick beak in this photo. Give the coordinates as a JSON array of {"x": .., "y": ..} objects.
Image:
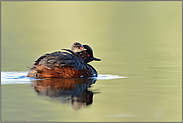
[{"x": 82, "y": 48}]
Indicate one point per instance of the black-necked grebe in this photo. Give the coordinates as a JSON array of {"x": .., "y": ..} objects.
[{"x": 71, "y": 64}]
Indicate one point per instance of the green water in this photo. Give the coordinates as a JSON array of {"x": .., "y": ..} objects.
[{"x": 139, "y": 40}]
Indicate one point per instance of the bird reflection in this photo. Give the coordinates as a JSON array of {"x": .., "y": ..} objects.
[{"x": 74, "y": 90}]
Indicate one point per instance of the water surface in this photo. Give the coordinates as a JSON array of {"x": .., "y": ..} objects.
[{"x": 140, "y": 75}]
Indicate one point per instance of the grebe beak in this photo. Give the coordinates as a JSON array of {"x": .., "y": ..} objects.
[{"x": 96, "y": 59}]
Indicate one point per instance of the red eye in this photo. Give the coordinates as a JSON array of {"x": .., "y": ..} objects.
[{"x": 88, "y": 55}]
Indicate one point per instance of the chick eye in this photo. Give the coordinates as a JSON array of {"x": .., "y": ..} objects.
[
  {"x": 81, "y": 48},
  {"x": 88, "y": 55}
]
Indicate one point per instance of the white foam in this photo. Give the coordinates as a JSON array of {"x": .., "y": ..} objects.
[
  {"x": 19, "y": 77},
  {"x": 107, "y": 76},
  {"x": 14, "y": 77}
]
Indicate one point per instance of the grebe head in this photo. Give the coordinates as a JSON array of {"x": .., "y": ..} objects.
[{"x": 88, "y": 55}]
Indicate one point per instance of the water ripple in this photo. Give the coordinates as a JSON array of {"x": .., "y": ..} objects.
[{"x": 19, "y": 77}]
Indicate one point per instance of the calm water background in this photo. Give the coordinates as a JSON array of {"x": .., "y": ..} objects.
[{"x": 139, "y": 40}]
